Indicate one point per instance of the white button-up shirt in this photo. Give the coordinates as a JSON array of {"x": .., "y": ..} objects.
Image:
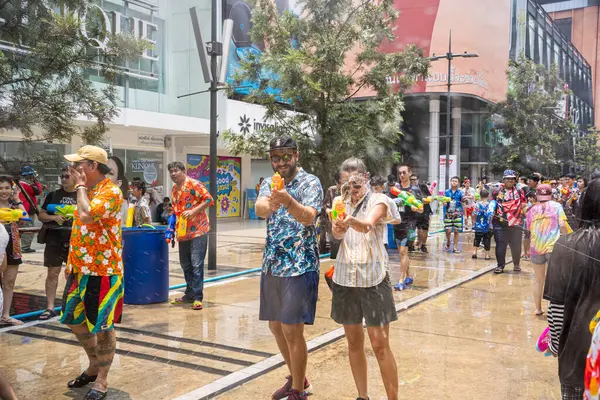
[{"x": 362, "y": 260}]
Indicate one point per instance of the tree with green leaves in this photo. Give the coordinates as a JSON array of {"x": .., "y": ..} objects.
[
  {"x": 534, "y": 132},
  {"x": 44, "y": 85},
  {"x": 587, "y": 153},
  {"x": 322, "y": 60}
]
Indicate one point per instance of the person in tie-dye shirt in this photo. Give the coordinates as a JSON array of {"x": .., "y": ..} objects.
[{"x": 545, "y": 220}]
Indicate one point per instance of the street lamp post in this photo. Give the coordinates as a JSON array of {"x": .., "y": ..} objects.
[{"x": 450, "y": 56}]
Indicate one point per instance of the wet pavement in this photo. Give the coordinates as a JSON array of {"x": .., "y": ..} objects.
[{"x": 462, "y": 333}]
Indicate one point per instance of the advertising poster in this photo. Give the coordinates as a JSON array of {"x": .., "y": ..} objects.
[{"x": 229, "y": 180}]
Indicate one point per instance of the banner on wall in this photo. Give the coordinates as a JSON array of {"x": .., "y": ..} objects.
[{"x": 229, "y": 181}]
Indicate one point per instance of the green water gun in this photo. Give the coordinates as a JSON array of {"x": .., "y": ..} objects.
[{"x": 64, "y": 210}]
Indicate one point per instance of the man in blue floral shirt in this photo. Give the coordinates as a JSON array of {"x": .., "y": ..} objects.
[{"x": 290, "y": 272}]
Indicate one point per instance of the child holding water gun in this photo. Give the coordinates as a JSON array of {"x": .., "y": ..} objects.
[
  {"x": 9, "y": 200},
  {"x": 483, "y": 224}
]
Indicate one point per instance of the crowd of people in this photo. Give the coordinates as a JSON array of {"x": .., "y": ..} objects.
[
  {"x": 539, "y": 212},
  {"x": 89, "y": 242}
]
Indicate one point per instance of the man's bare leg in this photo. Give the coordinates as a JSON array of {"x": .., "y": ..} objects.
[
  {"x": 52, "y": 286},
  {"x": 277, "y": 331},
  {"x": 298, "y": 353},
  {"x": 105, "y": 353},
  {"x": 89, "y": 343}
]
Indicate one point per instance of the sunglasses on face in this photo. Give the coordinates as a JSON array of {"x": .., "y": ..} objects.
[
  {"x": 357, "y": 187},
  {"x": 413, "y": 179},
  {"x": 285, "y": 158},
  {"x": 65, "y": 176}
]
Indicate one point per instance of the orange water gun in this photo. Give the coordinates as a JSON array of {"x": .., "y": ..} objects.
[
  {"x": 277, "y": 182},
  {"x": 339, "y": 210}
]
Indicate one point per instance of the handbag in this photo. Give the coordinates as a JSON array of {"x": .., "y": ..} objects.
[{"x": 41, "y": 236}]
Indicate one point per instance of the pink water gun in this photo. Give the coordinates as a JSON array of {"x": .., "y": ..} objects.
[{"x": 432, "y": 187}]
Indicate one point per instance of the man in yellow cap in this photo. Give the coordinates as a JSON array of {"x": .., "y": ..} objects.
[{"x": 93, "y": 299}]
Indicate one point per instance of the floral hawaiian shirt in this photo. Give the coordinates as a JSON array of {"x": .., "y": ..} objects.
[
  {"x": 191, "y": 194},
  {"x": 291, "y": 248},
  {"x": 96, "y": 248}
]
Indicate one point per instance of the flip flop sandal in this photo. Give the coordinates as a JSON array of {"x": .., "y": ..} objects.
[
  {"x": 81, "y": 380},
  {"x": 517, "y": 268},
  {"x": 94, "y": 394},
  {"x": 488, "y": 258},
  {"x": 11, "y": 321},
  {"x": 540, "y": 314},
  {"x": 456, "y": 251},
  {"x": 499, "y": 270},
  {"x": 46, "y": 315}
]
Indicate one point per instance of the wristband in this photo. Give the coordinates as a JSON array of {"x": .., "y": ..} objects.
[
  {"x": 18, "y": 204},
  {"x": 80, "y": 186}
]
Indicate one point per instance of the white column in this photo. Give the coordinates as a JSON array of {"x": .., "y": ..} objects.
[
  {"x": 434, "y": 141},
  {"x": 474, "y": 174},
  {"x": 456, "y": 133}
]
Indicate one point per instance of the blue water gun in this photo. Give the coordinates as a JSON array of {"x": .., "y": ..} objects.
[{"x": 170, "y": 233}]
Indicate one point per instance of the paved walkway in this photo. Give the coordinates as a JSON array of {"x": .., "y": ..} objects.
[{"x": 462, "y": 334}]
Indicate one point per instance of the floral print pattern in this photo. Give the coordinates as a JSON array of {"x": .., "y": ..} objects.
[
  {"x": 96, "y": 248},
  {"x": 189, "y": 195}
]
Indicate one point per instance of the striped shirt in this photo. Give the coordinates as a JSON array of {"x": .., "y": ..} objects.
[{"x": 362, "y": 260}]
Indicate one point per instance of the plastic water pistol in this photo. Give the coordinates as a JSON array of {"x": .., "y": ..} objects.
[
  {"x": 338, "y": 210},
  {"x": 277, "y": 182},
  {"x": 441, "y": 199},
  {"x": 407, "y": 198},
  {"x": 12, "y": 215},
  {"x": 565, "y": 191},
  {"x": 64, "y": 210},
  {"x": 170, "y": 233}
]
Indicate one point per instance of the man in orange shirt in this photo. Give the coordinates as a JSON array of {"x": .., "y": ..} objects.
[
  {"x": 190, "y": 199},
  {"x": 93, "y": 299}
]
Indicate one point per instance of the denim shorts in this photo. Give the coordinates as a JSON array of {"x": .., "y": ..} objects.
[
  {"x": 289, "y": 300},
  {"x": 540, "y": 259}
]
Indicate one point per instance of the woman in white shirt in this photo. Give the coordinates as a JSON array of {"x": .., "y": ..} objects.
[{"x": 361, "y": 283}]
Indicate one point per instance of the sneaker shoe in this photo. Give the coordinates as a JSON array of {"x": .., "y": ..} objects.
[
  {"x": 294, "y": 394},
  {"x": 408, "y": 281},
  {"x": 424, "y": 249},
  {"x": 284, "y": 391},
  {"x": 197, "y": 305},
  {"x": 411, "y": 249},
  {"x": 27, "y": 250},
  {"x": 400, "y": 286}
]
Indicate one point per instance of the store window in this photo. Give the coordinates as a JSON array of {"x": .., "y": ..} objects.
[
  {"x": 45, "y": 158},
  {"x": 146, "y": 165}
]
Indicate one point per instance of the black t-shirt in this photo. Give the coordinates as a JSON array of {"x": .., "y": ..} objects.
[
  {"x": 62, "y": 197},
  {"x": 409, "y": 217},
  {"x": 573, "y": 279}
]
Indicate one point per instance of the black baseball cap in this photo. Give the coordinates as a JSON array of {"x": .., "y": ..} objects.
[{"x": 283, "y": 142}]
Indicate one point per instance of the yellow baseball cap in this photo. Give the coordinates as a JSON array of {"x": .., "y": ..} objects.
[{"x": 92, "y": 153}]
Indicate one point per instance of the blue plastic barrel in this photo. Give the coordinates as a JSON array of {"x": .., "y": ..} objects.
[
  {"x": 391, "y": 240},
  {"x": 146, "y": 262}
]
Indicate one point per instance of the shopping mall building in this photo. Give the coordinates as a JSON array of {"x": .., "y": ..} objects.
[{"x": 495, "y": 30}]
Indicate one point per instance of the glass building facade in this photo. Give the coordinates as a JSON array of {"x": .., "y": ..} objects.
[{"x": 543, "y": 40}]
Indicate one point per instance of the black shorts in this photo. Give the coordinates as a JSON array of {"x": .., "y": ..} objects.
[
  {"x": 376, "y": 304},
  {"x": 289, "y": 300},
  {"x": 57, "y": 249},
  {"x": 486, "y": 237},
  {"x": 423, "y": 222}
]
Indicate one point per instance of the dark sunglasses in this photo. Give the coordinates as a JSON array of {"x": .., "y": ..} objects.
[
  {"x": 65, "y": 176},
  {"x": 413, "y": 179},
  {"x": 285, "y": 158},
  {"x": 357, "y": 187}
]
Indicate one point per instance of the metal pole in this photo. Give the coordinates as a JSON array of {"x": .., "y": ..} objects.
[
  {"x": 212, "y": 243},
  {"x": 448, "y": 110}
]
